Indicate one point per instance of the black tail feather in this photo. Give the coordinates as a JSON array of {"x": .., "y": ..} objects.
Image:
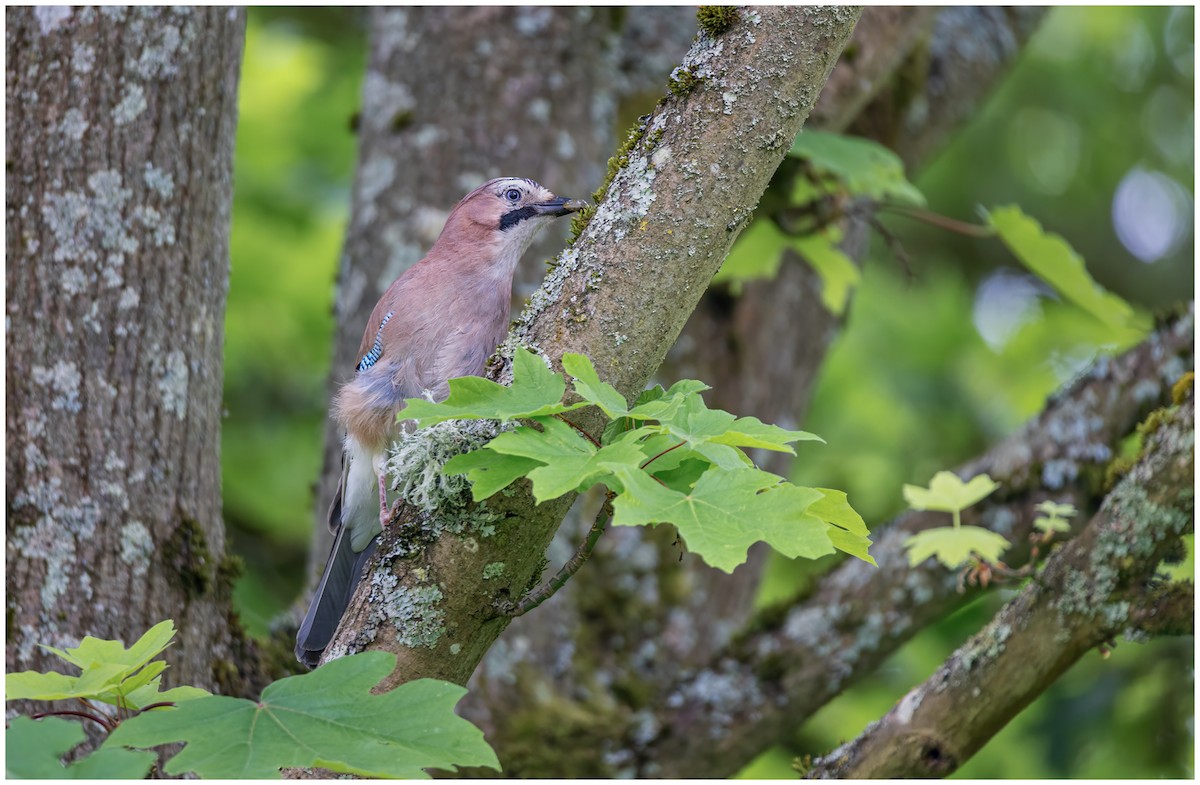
[{"x": 343, "y": 571}]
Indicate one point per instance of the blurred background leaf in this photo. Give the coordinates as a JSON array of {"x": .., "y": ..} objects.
[{"x": 295, "y": 153}]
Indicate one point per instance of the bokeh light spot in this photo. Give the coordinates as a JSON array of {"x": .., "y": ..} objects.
[
  {"x": 1152, "y": 214},
  {"x": 1005, "y": 301}
]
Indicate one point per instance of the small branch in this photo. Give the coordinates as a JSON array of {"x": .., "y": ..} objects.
[
  {"x": 548, "y": 589},
  {"x": 939, "y": 220},
  {"x": 1091, "y": 589}
]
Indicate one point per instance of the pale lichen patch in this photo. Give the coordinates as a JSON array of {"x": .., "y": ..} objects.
[
  {"x": 162, "y": 233},
  {"x": 158, "y": 58},
  {"x": 413, "y": 611},
  {"x": 159, "y": 180},
  {"x": 51, "y": 17},
  {"x": 173, "y": 383},
  {"x": 129, "y": 299},
  {"x": 131, "y": 105},
  {"x": 388, "y": 99},
  {"x": 415, "y": 461},
  {"x": 532, "y": 20},
  {"x": 64, "y": 379},
  {"x": 73, "y": 124},
  {"x": 83, "y": 58},
  {"x": 136, "y": 547}
]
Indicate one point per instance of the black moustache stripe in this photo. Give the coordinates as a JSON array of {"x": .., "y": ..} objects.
[{"x": 514, "y": 217}]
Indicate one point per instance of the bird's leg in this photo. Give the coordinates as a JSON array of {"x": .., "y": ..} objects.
[{"x": 385, "y": 514}]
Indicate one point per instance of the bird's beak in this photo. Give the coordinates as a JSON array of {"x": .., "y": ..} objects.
[{"x": 559, "y": 206}]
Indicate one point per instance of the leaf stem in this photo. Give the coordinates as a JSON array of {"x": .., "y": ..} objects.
[
  {"x": 957, "y": 519},
  {"x": 581, "y": 431},
  {"x": 551, "y": 587},
  {"x": 661, "y": 454},
  {"x": 159, "y": 705},
  {"x": 107, "y": 725},
  {"x": 939, "y": 220}
]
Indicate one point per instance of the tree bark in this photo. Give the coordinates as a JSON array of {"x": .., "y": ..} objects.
[
  {"x": 119, "y": 182},
  {"x": 687, "y": 190}
]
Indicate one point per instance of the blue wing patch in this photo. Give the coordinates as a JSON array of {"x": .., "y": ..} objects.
[{"x": 372, "y": 357}]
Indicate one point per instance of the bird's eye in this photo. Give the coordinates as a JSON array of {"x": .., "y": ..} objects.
[{"x": 512, "y": 195}]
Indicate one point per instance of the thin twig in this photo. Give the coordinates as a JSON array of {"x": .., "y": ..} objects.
[
  {"x": 108, "y": 726},
  {"x": 551, "y": 587},
  {"x": 939, "y": 220},
  {"x": 581, "y": 431},
  {"x": 661, "y": 454},
  {"x": 893, "y": 244}
]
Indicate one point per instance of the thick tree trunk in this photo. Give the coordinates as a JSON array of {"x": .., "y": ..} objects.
[{"x": 120, "y": 139}]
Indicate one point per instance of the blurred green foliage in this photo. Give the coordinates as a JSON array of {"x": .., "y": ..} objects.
[
  {"x": 293, "y": 166},
  {"x": 911, "y": 386}
]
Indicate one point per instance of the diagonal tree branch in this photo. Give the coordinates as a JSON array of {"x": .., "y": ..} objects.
[
  {"x": 1094, "y": 588},
  {"x": 620, "y": 295}
]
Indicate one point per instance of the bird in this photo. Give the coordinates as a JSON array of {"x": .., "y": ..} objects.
[{"x": 441, "y": 319}]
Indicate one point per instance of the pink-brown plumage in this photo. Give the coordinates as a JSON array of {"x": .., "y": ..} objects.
[{"x": 441, "y": 319}]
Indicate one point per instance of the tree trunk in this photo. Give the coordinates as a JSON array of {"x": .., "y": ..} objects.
[{"x": 120, "y": 151}]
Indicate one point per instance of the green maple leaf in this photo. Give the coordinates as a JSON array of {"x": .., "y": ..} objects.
[
  {"x": 1052, "y": 259},
  {"x": 1044, "y": 524},
  {"x": 1056, "y": 510},
  {"x": 726, "y": 512},
  {"x": 667, "y": 405},
  {"x": 683, "y": 475},
  {"x": 1055, "y": 517},
  {"x": 109, "y": 673},
  {"x": 847, "y": 530},
  {"x": 620, "y": 425},
  {"x": 568, "y": 461},
  {"x": 327, "y": 718},
  {"x": 591, "y": 389},
  {"x": 859, "y": 165},
  {"x": 947, "y": 493},
  {"x": 94, "y": 651},
  {"x": 953, "y": 547},
  {"x": 752, "y": 432},
  {"x": 35, "y": 748},
  {"x": 756, "y": 253},
  {"x": 536, "y": 390},
  {"x": 488, "y": 472},
  {"x": 839, "y": 274},
  {"x": 697, "y": 425}
]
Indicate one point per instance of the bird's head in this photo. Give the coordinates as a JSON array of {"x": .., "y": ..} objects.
[{"x": 506, "y": 213}]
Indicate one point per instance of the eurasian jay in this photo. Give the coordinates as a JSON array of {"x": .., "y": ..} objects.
[{"x": 441, "y": 319}]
